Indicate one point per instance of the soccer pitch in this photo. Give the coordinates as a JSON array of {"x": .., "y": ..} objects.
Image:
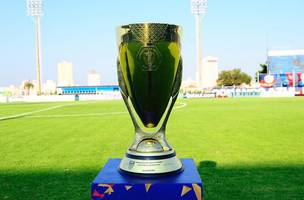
[{"x": 250, "y": 148}]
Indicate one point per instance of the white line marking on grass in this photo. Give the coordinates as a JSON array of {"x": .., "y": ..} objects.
[
  {"x": 77, "y": 115},
  {"x": 182, "y": 105},
  {"x": 32, "y": 112}
]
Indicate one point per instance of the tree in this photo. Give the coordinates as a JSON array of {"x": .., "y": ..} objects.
[
  {"x": 27, "y": 86},
  {"x": 233, "y": 77},
  {"x": 264, "y": 69}
]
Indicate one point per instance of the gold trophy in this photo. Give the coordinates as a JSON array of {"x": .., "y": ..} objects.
[{"x": 149, "y": 71}]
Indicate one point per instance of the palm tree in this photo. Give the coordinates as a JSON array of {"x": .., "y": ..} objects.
[{"x": 27, "y": 86}]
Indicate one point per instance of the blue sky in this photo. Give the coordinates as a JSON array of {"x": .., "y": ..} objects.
[{"x": 238, "y": 32}]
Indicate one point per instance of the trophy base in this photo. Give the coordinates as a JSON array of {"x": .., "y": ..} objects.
[
  {"x": 109, "y": 184},
  {"x": 150, "y": 165}
]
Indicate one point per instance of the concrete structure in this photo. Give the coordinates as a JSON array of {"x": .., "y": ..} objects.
[
  {"x": 87, "y": 90},
  {"x": 4, "y": 98},
  {"x": 189, "y": 85},
  {"x": 285, "y": 52},
  {"x": 198, "y": 9},
  {"x": 9, "y": 91},
  {"x": 285, "y": 69},
  {"x": 285, "y": 61},
  {"x": 49, "y": 87},
  {"x": 35, "y": 89},
  {"x": 209, "y": 71},
  {"x": 35, "y": 9},
  {"x": 93, "y": 78},
  {"x": 65, "y": 74}
]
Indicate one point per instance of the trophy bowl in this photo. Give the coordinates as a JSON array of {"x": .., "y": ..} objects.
[{"x": 149, "y": 69}]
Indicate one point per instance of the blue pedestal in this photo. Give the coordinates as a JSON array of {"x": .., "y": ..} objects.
[{"x": 111, "y": 184}]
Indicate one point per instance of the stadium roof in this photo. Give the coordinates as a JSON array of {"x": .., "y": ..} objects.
[{"x": 285, "y": 52}]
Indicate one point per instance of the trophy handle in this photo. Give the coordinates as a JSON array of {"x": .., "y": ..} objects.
[
  {"x": 124, "y": 94},
  {"x": 139, "y": 134},
  {"x": 174, "y": 94}
]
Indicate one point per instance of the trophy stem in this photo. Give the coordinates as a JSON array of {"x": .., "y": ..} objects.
[{"x": 151, "y": 155}]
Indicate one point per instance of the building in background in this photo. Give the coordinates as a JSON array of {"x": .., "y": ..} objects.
[
  {"x": 285, "y": 61},
  {"x": 65, "y": 74},
  {"x": 49, "y": 87},
  {"x": 88, "y": 90},
  {"x": 93, "y": 78},
  {"x": 29, "y": 88},
  {"x": 285, "y": 69},
  {"x": 9, "y": 91},
  {"x": 188, "y": 85},
  {"x": 35, "y": 87},
  {"x": 209, "y": 71}
]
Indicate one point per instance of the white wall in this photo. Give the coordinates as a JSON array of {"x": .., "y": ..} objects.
[{"x": 59, "y": 98}]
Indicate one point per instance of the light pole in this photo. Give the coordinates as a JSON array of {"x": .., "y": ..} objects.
[
  {"x": 198, "y": 9},
  {"x": 34, "y": 9}
]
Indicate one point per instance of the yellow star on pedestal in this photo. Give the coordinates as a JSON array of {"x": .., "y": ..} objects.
[
  {"x": 128, "y": 187},
  {"x": 198, "y": 191},
  {"x": 185, "y": 190},
  {"x": 109, "y": 190},
  {"x": 148, "y": 185}
]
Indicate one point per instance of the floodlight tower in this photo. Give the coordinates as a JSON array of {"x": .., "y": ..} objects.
[
  {"x": 35, "y": 9},
  {"x": 198, "y": 9}
]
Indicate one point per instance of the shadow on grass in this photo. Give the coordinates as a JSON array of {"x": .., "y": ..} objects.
[
  {"x": 252, "y": 183},
  {"x": 244, "y": 183},
  {"x": 46, "y": 185}
]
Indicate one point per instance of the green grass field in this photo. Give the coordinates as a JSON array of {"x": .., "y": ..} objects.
[{"x": 249, "y": 149}]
